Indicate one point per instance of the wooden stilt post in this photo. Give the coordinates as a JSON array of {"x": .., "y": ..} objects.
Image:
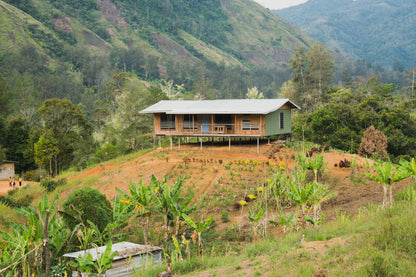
[
  {"x": 160, "y": 142},
  {"x": 179, "y": 142},
  {"x": 200, "y": 140},
  {"x": 258, "y": 145},
  {"x": 229, "y": 144},
  {"x": 171, "y": 142}
]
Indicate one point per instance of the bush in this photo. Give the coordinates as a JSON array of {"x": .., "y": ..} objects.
[
  {"x": 87, "y": 203},
  {"x": 32, "y": 175},
  {"x": 51, "y": 185}
]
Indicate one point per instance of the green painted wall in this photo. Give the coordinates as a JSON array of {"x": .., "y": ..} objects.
[{"x": 273, "y": 123}]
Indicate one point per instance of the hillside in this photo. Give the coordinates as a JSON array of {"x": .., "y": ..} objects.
[
  {"x": 220, "y": 179},
  {"x": 379, "y": 30},
  {"x": 79, "y": 45}
]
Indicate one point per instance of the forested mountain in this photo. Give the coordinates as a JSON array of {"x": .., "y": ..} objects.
[
  {"x": 67, "y": 48},
  {"x": 89, "y": 66},
  {"x": 382, "y": 31}
]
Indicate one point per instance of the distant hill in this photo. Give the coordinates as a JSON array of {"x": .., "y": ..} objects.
[
  {"x": 384, "y": 31},
  {"x": 168, "y": 39}
]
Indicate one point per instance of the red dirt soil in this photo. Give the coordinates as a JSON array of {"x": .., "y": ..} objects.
[
  {"x": 207, "y": 175},
  {"x": 210, "y": 178}
]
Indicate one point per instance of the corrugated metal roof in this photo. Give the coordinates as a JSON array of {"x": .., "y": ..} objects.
[
  {"x": 125, "y": 250},
  {"x": 230, "y": 106}
]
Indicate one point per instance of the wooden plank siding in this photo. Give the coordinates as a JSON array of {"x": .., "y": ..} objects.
[{"x": 220, "y": 130}]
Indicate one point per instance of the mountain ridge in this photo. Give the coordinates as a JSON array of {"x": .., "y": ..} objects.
[{"x": 379, "y": 30}]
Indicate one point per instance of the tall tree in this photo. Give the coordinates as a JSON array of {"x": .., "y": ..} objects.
[
  {"x": 66, "y": 128},
  {"x": 320, "y": 68}
]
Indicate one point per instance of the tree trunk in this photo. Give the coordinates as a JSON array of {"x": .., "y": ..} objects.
[
  {"x": 166, "y": 227},
  {"x": 384, "y": 196},
  {"x": 145, "y": 229},
  {"x": 46, "y": 259},
  {"x": 391, "y": 196}
]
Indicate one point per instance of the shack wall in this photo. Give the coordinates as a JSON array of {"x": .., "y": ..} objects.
[{"x": 6, "y": 171}]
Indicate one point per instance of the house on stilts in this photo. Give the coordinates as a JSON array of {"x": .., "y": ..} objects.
[{"x": 233, "y": 118}]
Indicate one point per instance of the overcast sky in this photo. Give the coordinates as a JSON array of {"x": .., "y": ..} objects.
[{"x": 279, "y": 4}]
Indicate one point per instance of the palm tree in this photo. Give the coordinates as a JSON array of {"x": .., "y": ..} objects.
[
  {"x": 199, "y": 227},
  {"x": 387, "y": 176}
]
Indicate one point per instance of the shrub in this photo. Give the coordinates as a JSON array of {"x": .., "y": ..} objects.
[
  {"x": 225, "y": 216},
  {"x": 51, "y": 185},
  {"x": 373, "y": 141},
  {"x": 32, "y": 175},
  {"x": 87, "y": 203}
]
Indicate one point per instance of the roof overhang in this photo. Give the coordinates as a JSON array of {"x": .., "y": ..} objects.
[{"x": 230, "y": 106}]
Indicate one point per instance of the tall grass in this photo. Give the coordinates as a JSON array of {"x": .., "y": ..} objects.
[{"x": 379, "y": 242}]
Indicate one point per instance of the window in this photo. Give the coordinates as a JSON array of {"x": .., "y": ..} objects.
[
  {"x": 224, "y": 120},
  {"x": 247, "y": 126},
  {"x": 282, "y": 120},
  {"x": 190, "y": 122},
  {"x": 167, "y": 121}
]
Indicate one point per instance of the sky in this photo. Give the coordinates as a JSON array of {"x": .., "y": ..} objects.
[{"x": 279, "y": 4}]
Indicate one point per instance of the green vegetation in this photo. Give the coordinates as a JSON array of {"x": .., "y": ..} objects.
[
  {"x": 360, "y": 29},
  {"x": 87, "y": 204}
]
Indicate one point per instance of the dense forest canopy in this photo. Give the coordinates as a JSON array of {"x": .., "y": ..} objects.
[{"x": 382, "y": 31}]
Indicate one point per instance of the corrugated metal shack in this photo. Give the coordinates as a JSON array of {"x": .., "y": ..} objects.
[{"x": 131, "y": 257}]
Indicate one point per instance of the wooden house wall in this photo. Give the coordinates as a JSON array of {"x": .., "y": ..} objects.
[{"x": 237, "y": 127}]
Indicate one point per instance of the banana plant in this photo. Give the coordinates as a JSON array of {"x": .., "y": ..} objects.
[
  {"x": 17, "y": 247},
  {"x": 315, "y": 221},
  {"x": 278, "y": 188},
  {"x": 409, "y": 167},
  {"x": 284, "y": 222},
  {"x": 140, "y": 199},
  {"x": 254, "y": 218},
  {"x": 179, "y": 208},
  {"x": 87, "y": 265},
  {"x": 301, "y": 195},
  {"x": 315, "y": 165},
  {"x": 199, "y": 227},
  {"x": 387, "y": 175},
  {"x": 320, "y": 194},
  {"x": 169, "y": 201}
]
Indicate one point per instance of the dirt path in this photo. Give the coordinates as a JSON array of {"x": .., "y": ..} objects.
[{"x": 5, "y": 188}]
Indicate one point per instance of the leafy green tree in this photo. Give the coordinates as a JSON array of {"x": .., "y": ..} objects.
[
  {"x": 311, "y": 74},
  {"x": 254, "y": 93},
  {"x": 67, "y": 128},
  {"x": 87, "y": 204},
  {"x": 320, "y": 68},
  {"x": 47, "y": 150},
  {"x": 5, "y": 97},
  {"x": 18, "y": 143}
]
